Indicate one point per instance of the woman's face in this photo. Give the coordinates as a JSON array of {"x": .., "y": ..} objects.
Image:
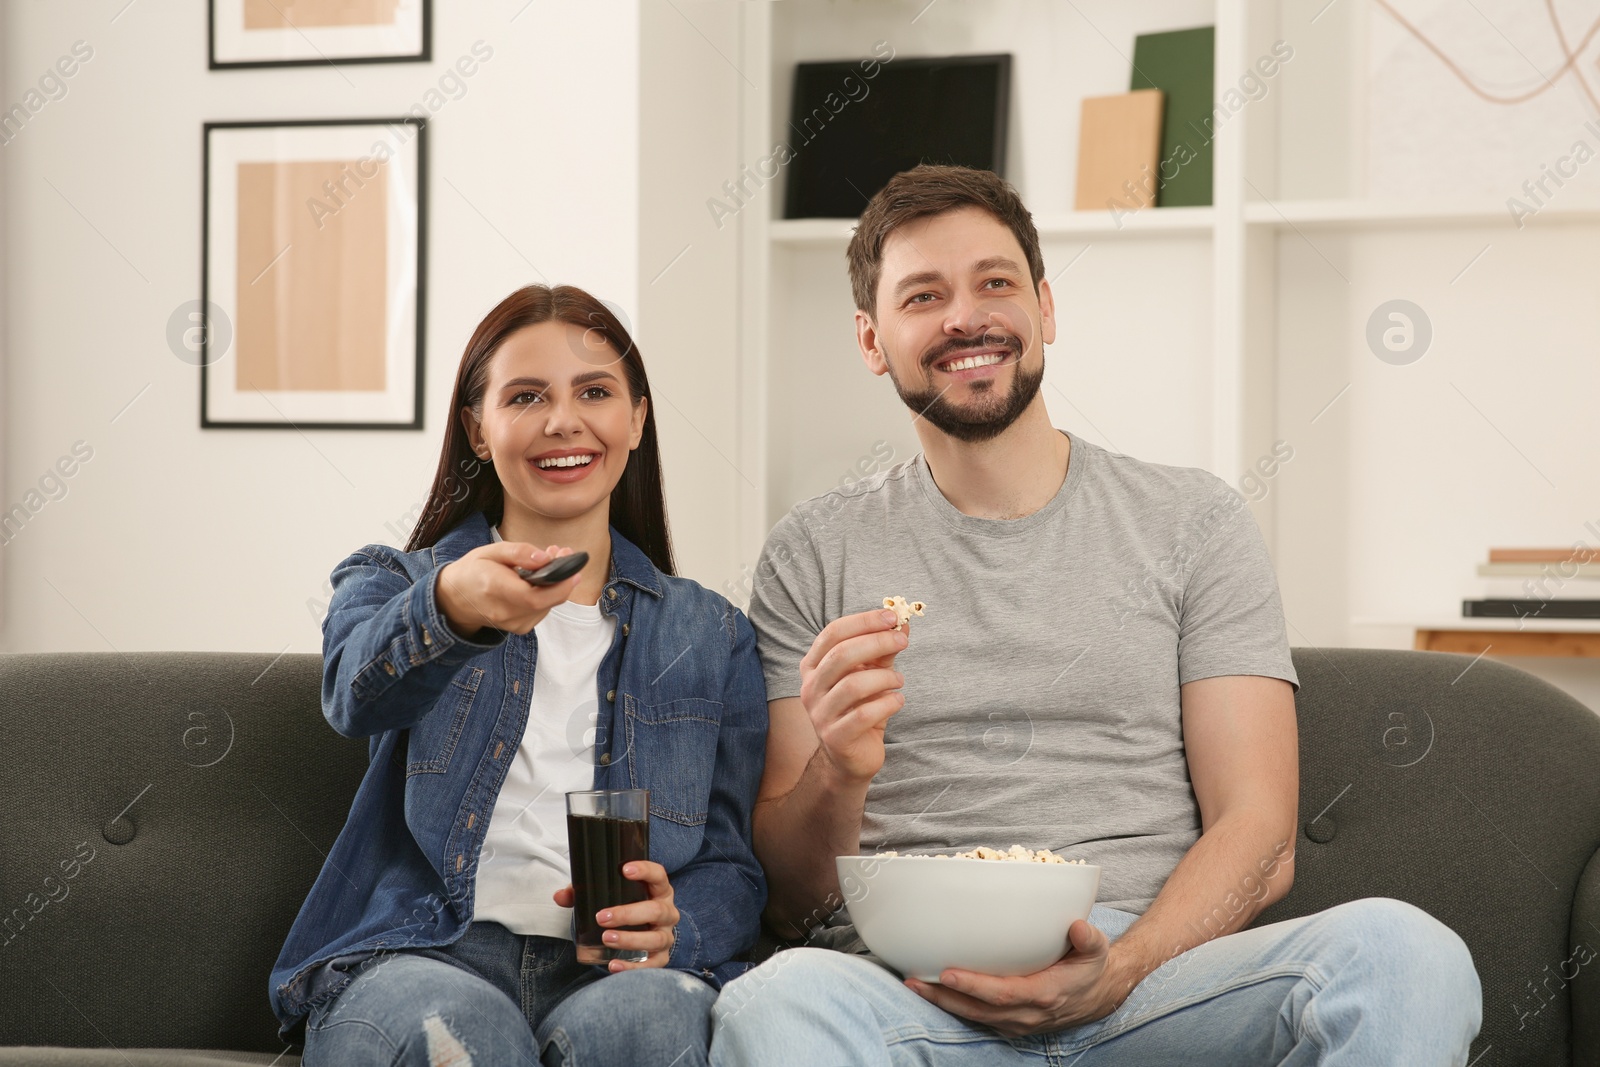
[{"x": 557, "y": 420}]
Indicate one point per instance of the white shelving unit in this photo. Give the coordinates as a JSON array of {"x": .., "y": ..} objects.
[
  {"x": 1379, "y": 214},
  {"x": 801, "y": 370},
  {"x": 1067, "y": 225},
  {"x": 1202, "y": 336}
]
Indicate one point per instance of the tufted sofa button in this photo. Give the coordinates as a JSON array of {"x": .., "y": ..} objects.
[
  {"x": 119, "y": 831},
  {"x": 1321, "y": 830}
]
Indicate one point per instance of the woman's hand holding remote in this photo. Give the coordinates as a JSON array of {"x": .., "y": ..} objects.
[{"x": 482, "y": 588}]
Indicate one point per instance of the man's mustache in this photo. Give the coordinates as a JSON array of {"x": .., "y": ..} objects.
[{"x": 958, "y": 344}]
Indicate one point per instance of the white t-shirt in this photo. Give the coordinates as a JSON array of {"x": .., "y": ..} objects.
[{"x": 524, "y": 857}]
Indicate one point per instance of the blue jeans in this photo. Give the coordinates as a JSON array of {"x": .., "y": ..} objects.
[
  {"x": 1373, "y": 981},
  {"x": 497, "y": 999}
]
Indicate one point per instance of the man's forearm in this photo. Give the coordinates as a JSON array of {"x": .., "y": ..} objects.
[
  {"x": 797, "y": 837},
  {"x": 1236, "y": 869}
]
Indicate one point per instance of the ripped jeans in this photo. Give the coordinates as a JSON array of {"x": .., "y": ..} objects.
[{"x": 497, "y": 998}]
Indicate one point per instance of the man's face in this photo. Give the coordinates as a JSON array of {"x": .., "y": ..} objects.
[{"x": 959, "y": 328}]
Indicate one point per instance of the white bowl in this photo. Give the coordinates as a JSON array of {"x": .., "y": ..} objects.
[{"x": 921, "y": 914}]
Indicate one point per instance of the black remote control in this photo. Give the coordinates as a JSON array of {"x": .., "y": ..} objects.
[{"x": 558, "y": 571}]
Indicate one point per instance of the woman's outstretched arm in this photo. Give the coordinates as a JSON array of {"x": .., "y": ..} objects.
[{"x": 387, "y": 649}]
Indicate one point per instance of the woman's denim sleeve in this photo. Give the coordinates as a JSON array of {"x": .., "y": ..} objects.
[
  {"x": 387, "y": 651},
  {"x": 725, "y": 877}
]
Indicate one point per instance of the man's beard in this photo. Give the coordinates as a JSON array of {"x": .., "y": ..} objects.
[{"x": 991, "y": 415}]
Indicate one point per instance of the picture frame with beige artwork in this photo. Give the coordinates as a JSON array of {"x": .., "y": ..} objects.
[
  {"x": 298, "y": 33},
  {"x": 313, "y": 238}
]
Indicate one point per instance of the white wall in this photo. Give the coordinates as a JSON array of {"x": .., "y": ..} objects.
[
  {"x": 174, "y": 538},
  {"x": 689, "y": 276}
]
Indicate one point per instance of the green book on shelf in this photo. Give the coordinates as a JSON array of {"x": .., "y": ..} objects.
[{"x": 1180, "y": 64}]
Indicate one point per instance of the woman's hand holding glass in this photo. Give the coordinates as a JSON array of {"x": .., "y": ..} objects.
[
  {"x": 658, "y": 914},
  {"x": 483, "y": 588}
]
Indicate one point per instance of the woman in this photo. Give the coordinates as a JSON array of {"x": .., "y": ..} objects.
[{"x": 439, "y": 930}]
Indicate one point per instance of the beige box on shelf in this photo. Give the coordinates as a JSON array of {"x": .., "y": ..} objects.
[{"x": 1119, "y": 149}]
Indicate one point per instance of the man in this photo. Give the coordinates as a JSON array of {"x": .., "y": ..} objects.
[{"x": 1102, "y": 670}]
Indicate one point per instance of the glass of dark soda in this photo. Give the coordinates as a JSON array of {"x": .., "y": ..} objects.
[{"x": 606, "y": 828}]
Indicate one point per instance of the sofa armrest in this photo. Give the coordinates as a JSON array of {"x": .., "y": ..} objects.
[{"x": 1584, "y": 945}]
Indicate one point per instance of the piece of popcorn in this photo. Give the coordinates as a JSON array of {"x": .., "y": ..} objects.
[{"x": 902, "y": 610}]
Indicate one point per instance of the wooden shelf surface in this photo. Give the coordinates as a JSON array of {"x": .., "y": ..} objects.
[{"x": 1509, "y": 641}]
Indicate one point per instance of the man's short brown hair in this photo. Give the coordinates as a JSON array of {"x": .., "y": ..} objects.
[{"x": 929, "y": 190}]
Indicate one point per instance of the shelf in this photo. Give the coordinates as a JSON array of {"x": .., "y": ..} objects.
[
  {"x": 1200, "y": 221},
  {"x": 1559, "y": 638},
  {"x": 1397, "y": 214},
  {"x": 1473, "y": 641},
  {"x": 811, "y": 231},
  {"x": 1576, "y": 626},
  {"x": 1185, "y": 221},
  {"x": 1174, "y": 221}
]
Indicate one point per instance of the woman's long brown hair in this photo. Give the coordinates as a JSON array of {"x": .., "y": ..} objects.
[{"x": 465, "y": 484}]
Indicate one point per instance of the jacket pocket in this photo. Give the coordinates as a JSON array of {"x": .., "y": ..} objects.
[
  {"x": 673, "y": 748},
  {"x": 433, "y": 740}
]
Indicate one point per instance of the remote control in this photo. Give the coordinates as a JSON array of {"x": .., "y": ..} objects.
[{"x": 558, "y": 571}]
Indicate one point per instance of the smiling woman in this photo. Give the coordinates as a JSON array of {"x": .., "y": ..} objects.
[{"x": 488, "y": 697}]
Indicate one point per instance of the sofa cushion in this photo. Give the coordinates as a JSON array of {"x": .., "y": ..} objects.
[
  {"x": 1470, "y": 789},
  {"x": 166, "y": 814}
]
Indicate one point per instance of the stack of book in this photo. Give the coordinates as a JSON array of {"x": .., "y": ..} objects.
[
  {"x": 1538, "y": 583},
  {"x": 1151, "y": 146}
]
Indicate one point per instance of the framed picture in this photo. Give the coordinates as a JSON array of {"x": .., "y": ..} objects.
[
  {"x": 312, "y": 251},
  {"x": 290, "y": 33}
]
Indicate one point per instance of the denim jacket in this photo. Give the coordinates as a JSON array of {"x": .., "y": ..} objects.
[{"x": 683, "y": 713}]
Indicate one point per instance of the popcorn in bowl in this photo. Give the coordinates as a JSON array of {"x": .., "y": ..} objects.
[{"x": 1016, "y": 854}]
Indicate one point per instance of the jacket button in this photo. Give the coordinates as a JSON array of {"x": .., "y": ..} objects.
[
  {"x": 605, "y": 759},
  {"x": 498, "y": 749},
  {"x": 624, "y": 629},
  {"x": 427, "y": 638},
  {"x": 388, "y": 668},
  {"x": 459, "y": 861},
  {"x": 612, "y": 593},
  {"x": 611, "y": 694},
  {"x": 471, "y": 818}
]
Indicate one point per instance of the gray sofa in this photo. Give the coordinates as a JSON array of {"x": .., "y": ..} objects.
[{"x": 162, "y": 816}]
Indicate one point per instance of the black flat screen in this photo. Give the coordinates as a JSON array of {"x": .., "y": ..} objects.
[{"x": 851, "y": 134}]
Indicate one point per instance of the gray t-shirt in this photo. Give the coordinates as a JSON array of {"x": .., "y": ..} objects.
[{"x": 1042, "y": 704}]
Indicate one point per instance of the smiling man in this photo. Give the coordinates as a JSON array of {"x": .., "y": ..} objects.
[{"x": 1102, "y": 670}]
